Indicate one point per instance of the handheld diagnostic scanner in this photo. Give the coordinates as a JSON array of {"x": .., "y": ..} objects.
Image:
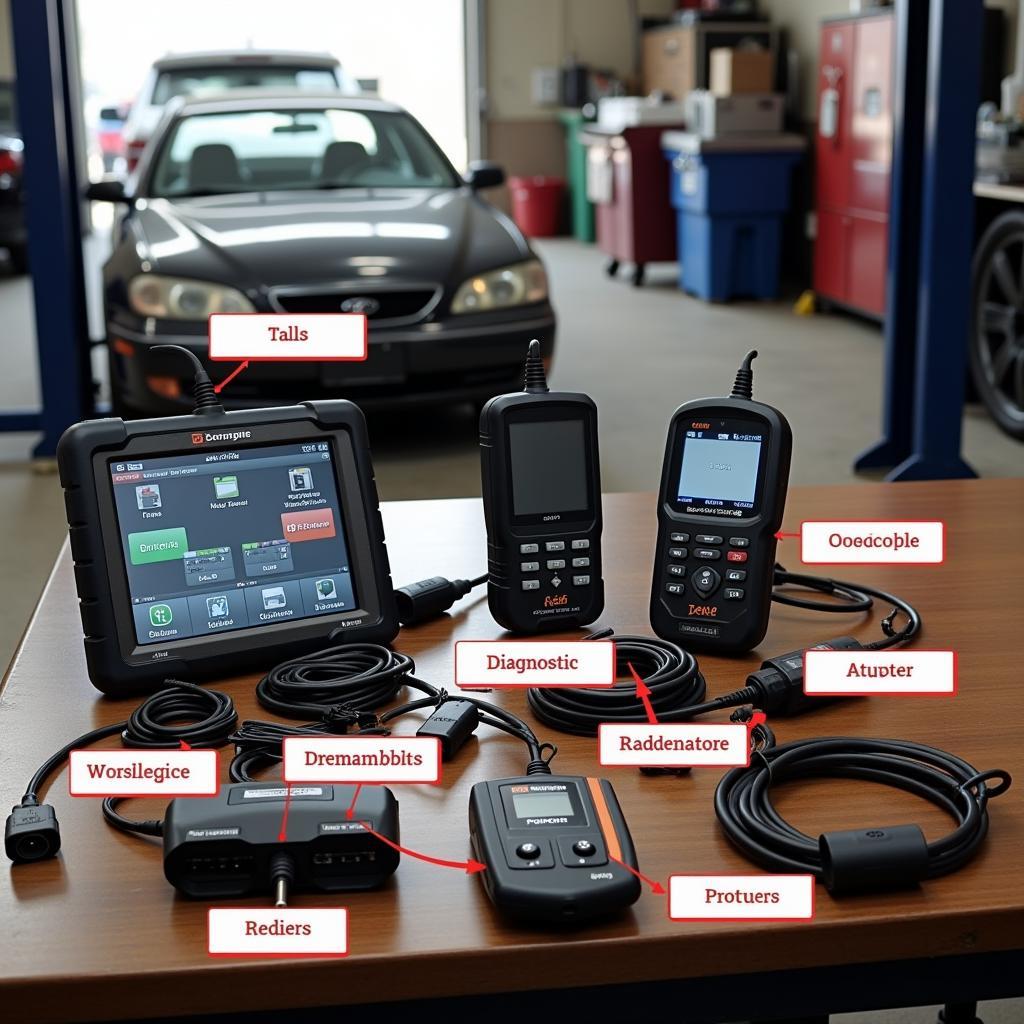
[
  {"x": 723, "y": 492},
  {"x": 541, "y": 486},
  {"x": 557, "y": 848}
]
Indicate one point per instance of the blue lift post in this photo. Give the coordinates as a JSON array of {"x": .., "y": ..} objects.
[
  {"x": 930, "y": 385},
  {"x": 47, "y": 90},
  {"x": 910, "y": 78}
]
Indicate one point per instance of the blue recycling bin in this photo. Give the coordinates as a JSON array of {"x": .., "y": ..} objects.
[{"x": 730, "y": 195}]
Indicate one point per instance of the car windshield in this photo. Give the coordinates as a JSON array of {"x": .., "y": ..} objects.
[
  {"x": 268, "y": 150},
  {"x": 199, "y": 81}
]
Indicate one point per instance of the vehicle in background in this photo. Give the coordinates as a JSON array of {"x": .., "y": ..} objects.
[
  {"x": 110, "y": 135},
  {"x": 257, "y": 203},
  {"x": 199, "y": 74},
  {"x": 13, "y": 236}
]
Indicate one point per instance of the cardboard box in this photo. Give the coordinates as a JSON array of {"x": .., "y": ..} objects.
[{"x": 741, "y": 71}]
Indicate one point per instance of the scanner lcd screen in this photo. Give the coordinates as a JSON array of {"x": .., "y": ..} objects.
[
  {"x": 220, "y": 541},
  {"x": 719, "y": 467},
  {"x": 549, "y": 467}
]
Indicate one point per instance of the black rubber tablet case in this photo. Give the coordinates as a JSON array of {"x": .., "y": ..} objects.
[{"x": 116, "y": 663}]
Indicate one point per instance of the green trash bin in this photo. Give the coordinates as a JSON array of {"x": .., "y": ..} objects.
[{"x": 576, "y": 172}]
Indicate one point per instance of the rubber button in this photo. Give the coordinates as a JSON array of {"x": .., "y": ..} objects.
[
  {"x": 528, "y": 851},
  {"x": 705, "y": 580},
  {"x": 739, "y": 542},
  {"x": 736, "y": 556},
  {"x": 584, "y": 848}
]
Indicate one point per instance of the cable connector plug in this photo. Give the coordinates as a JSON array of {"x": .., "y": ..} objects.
[
  {"x": 743, "y": 386},
  {"x": 32, "y": 833},
  {"x": 778, "y": 684},
  {"x": 535, "y": 381},
  {"x": 427, "y": 599}
]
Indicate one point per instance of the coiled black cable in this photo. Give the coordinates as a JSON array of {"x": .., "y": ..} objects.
[
  {"x": 671, "y": 674},
  {"x": 180, "y": 712},
  {"x": 258, "y": 745},
  {"x": 850, "y": 597},
  {"x": 745, "y": 811},
  {"x": 357, "y": 677}
]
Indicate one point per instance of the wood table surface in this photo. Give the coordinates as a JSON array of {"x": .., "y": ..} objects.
[{"x": 98, "y": 932}]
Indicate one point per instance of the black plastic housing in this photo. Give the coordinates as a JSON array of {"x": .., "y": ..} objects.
[
  {"x": 706, "y": 622},
  {"x": 873, "y": 859},
  {"x": 116, "y": 663},
  {"x": 550, "y": 607},
  {"x": 32, "y": 833},
  {"x": 556, "y": 887},
  {"x": 223, "y": 846},
  {"x": 452, "y": 723}
]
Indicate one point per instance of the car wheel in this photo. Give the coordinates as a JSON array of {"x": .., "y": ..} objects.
[
  {"x": 19, "y": 258},
  {"x": 997, "y": 330}
]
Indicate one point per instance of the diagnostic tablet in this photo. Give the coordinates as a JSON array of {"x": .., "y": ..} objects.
[{"x": 209, "y": 544}]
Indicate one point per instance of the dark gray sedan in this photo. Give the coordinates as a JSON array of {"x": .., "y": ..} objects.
[{"x": 316, "y": 204}]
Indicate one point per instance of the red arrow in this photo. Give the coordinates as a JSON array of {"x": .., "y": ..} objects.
[
  {"x": 780, "y": 535},
  {"x": 352, "y": 806},
  {"x": 656, "y": 887},
  {"x": 184, "y": 745},
  {"x": 283, "y": 834},
  {"x": 471, "y": 867},
  {"x": 756, "y": 719},
  {"x": 644, "y": 693},
  {"x": 218, "y": 388}
]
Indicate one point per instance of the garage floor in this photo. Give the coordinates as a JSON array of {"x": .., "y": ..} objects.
[{"x": 638, "y": 352}]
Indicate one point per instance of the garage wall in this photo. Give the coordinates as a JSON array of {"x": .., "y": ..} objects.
[
  {"x": 802, "y": 20},
  {"x": 520, "y": 36}
]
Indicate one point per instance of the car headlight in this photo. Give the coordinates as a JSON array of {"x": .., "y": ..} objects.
[
  {"x": 516, "y": 285},
  {"x": 179, "y": 298}
]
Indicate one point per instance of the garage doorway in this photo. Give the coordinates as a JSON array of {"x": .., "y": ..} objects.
[{"x": 413, "y": 49}]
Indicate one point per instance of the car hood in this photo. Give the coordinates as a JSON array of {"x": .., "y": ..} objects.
[{"x": 268, "y": 239}]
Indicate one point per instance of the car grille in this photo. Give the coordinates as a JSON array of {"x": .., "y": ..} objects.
[{"x": 407, "y": 305}]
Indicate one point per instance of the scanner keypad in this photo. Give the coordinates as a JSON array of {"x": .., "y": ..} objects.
[
  {"x": 551, "y": 571},
  {"x": 692, "y": 571}
]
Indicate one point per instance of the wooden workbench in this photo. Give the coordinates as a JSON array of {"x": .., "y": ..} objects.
[{"x": 98, "y": 932}]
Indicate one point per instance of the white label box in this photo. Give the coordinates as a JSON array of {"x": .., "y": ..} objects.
[
  {"x": 741, "y": 897},
  {"x": 284, "y": 932},
  {"x": 283, "y": 337},
  {"x": 870, "y": 673},
  {"x": 163, "y": 773},
  {"x": 513, "y": 663},
  {"x": 673, "y": 745},
  {"x": 370, "y": 759},
  {"x": 872, "y": 542}
]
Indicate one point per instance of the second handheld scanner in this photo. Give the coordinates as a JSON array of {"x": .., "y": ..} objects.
[
  {"x": 542, "y": 506},
  {"x": 723, "y": 492}
]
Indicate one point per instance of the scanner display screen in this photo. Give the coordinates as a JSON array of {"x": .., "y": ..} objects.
[
  {"x": 542, "y": 805},
  {"x": 719, "y": 467},
  {"x": 220, "y": 541},
  {"x": 549, "y": 466}
]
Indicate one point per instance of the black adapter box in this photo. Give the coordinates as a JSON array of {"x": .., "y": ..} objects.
[{"x": 223, "y": 846}]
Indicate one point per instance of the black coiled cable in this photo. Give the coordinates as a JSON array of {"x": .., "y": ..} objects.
[
  {"x": 745, "y": 811},
  {"x": 179, "y": 712},
  {"x": 671, "y": 674},
  {"x": 357, "y": 677}
]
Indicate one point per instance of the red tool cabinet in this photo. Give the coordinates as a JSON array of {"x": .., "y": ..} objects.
[{"x": 854, "y": 157}]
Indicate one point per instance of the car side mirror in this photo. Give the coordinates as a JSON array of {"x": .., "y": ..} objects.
[
  {"x": 109, "y": 190},
  {"x": 483, "y": 174}
]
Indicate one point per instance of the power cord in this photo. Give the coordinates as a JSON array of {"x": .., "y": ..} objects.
[
  {"x": 868, "y": 859},
  {"x": 671, "y": 674},
  {"x": 678, "y": 688},
  {"x": 180, "y": 712}
]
